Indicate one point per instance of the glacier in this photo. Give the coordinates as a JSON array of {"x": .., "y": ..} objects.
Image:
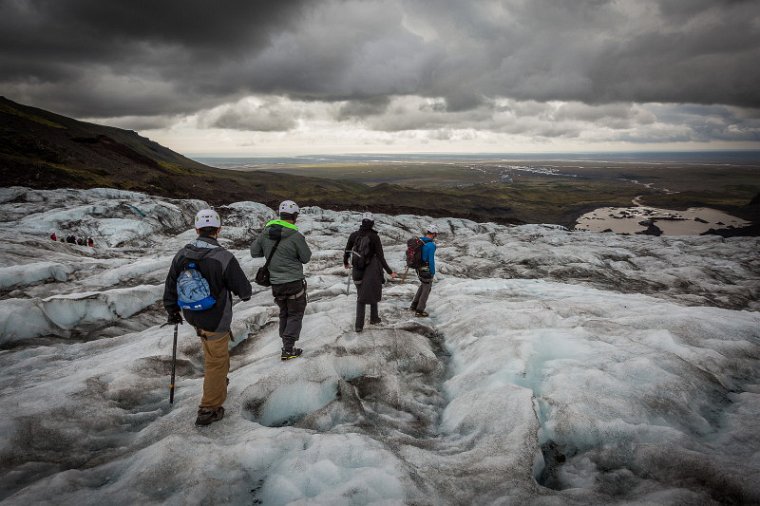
[{"x": 557, "y": 367}]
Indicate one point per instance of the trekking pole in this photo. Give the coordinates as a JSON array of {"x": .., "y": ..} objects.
[
  {"x": 348, "y": 283},
  {"x": 174, "y": 365},
  {"x": 403, "y": 278}
]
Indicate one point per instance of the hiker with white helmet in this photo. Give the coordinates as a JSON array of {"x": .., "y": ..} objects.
[
  {"x": 368, "y": 262},
  {"x": 426, "y": 271},
  {"x": 202, "y": 278},
  {"x": 286, "y": 251}
]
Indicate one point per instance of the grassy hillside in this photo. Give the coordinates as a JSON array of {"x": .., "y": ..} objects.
[
  {"x": 41, "y": 149},
  {"x": 526, "y": 194}
]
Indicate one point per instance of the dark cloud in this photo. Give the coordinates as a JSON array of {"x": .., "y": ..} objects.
[
  {"x": 79, "y": 31},
  {"x": 270, "y": 116},
  {"x": 170, "y": 52},
  {"x": 131, "y": 58},
  {"x": 537, "y": 121},
  {"x": 600, "y": 51},
  {"x": 356, "y": 109}
]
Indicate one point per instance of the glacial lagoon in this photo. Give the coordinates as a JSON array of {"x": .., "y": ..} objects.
[{"x": 636, "y": 219}]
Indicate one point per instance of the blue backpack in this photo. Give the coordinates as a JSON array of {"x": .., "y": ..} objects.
[{"x": 193, "y": 293}]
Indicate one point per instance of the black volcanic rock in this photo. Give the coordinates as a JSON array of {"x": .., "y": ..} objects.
[
  {"x": 652, "y": 229},
  {"x": 751, "y": 230}
]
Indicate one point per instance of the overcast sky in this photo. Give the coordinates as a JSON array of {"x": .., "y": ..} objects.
[{"x": 250, "y": 77}]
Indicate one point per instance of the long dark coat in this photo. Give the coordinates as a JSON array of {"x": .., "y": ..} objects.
[{"x": 370, "y": 289}]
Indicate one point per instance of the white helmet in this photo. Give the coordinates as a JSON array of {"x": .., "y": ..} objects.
[
  {"x": 432, "y": 229},
  {"x": 207, "y": 218},
  {"x": 368, "y": 216},
  {"x": 288, "y": 206}
]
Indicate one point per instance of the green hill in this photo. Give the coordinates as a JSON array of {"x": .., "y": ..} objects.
[{"x": 40, "y": 149}]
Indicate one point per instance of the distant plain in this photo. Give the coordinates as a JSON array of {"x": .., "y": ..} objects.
[{"x": 537, "y": 191}]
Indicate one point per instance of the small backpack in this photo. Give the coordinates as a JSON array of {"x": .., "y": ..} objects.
[
  {"x": 193, "y": 293},
  {"x": 360, "y": 255},
  {"x": 414, "y": 253}
]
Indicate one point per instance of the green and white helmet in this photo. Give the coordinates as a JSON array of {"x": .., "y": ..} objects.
[{"x": 207, "y": 218}]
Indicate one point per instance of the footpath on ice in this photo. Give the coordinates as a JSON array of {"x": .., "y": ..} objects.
[{"x": 557, "y": 367}]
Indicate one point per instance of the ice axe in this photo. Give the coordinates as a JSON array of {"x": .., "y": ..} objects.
[
  {"x": 348, "y": 283},
  {"x": 174, "y": 366},
  {"x": 174, "y": 363}
]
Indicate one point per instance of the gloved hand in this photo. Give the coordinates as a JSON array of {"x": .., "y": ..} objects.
[{"x": 174, "y": 318}]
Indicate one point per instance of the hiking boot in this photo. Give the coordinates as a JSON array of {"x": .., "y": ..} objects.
[
  {"x": 358, "y": 328},
  {"x": 288, "y": 354},
  {"x": 375, "y": 321},
  {"x": 208, "y": 416},
  {"x": 421, "y": 314}
]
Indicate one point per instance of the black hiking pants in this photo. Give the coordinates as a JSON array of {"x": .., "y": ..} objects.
[
  {"x": 361, "y": 311},
  {"x": 291, "y": 299}
]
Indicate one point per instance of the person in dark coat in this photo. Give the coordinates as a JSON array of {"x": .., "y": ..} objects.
[{"x": 365, "y": 251}]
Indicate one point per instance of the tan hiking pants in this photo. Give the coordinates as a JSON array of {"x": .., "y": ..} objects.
[{"x": 216, "y": 365}]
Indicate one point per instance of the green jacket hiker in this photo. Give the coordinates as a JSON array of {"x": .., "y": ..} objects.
[
  {"x": 292, "y": 252},
  {"x": 286, "y": 273}
]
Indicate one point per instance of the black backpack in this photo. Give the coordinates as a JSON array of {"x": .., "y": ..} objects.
[
  {"x": 362, "y": 251},
  {"x": 414, "y": 253}
]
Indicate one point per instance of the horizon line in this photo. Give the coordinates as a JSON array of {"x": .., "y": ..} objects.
[{"x": 478, "y": 153}]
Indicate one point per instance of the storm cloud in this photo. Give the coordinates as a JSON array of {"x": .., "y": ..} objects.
[{"x": 96, "y": 59}]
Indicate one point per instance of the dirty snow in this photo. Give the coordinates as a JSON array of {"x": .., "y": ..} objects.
[{"x": 557, "y": 367}]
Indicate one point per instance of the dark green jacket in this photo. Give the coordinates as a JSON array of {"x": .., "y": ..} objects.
[{"x": 292, "y": 253}]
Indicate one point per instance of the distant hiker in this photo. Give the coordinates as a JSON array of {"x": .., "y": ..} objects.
[
  {"x": 53, "y": 236},
  {"x": 425, "y": 270},
  {"x": 90, "y": 242},
  {"x": 286, "y": 251},
  {"x": 71, "y": 239},
  {"x": 204, "y": 267},
  {"x": 367, "y": 264},
  {"x": 80, "y": 241}
]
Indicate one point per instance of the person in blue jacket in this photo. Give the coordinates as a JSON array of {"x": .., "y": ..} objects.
[{"x": 426, "y": 272}]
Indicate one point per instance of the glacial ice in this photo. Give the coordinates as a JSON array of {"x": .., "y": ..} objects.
[
  {"x": 557, "y": 367},
  {"x": 29, "y": 274}
]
